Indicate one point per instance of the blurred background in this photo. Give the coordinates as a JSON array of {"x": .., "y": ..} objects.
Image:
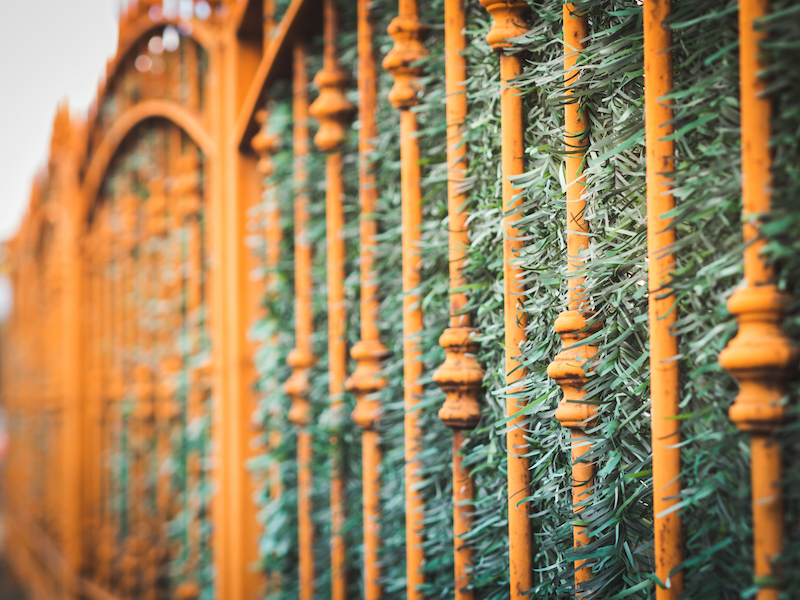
[{"x": 51, "y": 51}]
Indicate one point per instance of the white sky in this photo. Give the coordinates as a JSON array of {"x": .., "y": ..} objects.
[{"x": 49, "y": 50}]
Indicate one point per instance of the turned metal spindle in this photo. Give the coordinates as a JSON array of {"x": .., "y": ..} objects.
[
  {"x": 178, "y": 361},
  {"x": 461, "y": 376},
  {"x": 151, "y": 571},
  {"x": 117, "y": 388},
  {"x": 265, "y": 144},
  {"x": 188, "y": 209},
  {"x": 106, "y": 546},
  {"x": 173, "y": 365},
  {"x": 510, "y": 20},
  {"x": 664, "y": 380},
  {"x": 301, "y": 359},
  {"x": 92, "y": 254},
  {"x": 368, "y": 352},
  {"x": 163, "y": 369},
  {"x": 761, "y": 355},
  {"x": 117, "y": 382},
  {"x": 130, "y": 562},
  {"x": 574, "y": 325},
  {"x": 333, "y": 111},
  {"x": 401, "y": 62}
]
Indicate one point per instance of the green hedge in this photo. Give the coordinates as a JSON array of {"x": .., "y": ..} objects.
[{"x": 715, "y": 501}]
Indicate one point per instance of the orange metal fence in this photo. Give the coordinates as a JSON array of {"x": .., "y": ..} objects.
[{"x": 134, "y": 295}]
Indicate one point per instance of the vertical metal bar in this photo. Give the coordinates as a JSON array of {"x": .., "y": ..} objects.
[
  {"x": 154, "y": 556},
  {"x": 333, "y": 111},
  {"x": 461, "y": 376},
  {"x": 106, "y": 549},
  {"x": 567, "y": 368},
  {"x": 127, "y": 237},
  {"x": 190, "y": 94},
  {"x": 664, "y": 382},
  {"x": 162, "y": 370},
  {"x": 249, "y": 435},
  {"x": 116, "y": 390},
  {"x": 407, "y": 31},
  {"x": 188, "y": 207},
  {"x": 94, "y": 409},
  {"x": 368, "y": 352},
  {"x": 266, "y": 144},
  {"x": 761, "y": 354},
  {"x": 301, "y": 359},
  {"x": 510, "y": 20},
  {"x": 268, "y": 8}
]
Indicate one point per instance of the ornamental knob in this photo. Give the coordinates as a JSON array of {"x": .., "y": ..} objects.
[
  {"x": 568, "y": 368},
  {"x": 759, "y": 357},
  {"x": 460, "y": 377},
  {"x": 297, "y": 386},
  {"x": 331, "y": 108},
  {"x": 510, "y": 20},
  {"x": 265, "y": 144},
  {"x": 366, "y": 380},
  {"x": 401, "y": 60}
]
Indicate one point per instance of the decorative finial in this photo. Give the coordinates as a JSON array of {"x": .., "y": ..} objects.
[
  {"x": 186, "y": 186},
  {"x": 129, "y": 205},
  {"x": 188, "y": 590},
  {"x": 460, "y": 377},
  {"x": 297, "y": 386},
  {"x": 156, "y": 558},
  {"x": 265, "y": 144},
  {"x": 366, "y": 380},
  {"x": 407, "y": 32},
  {"x": 760, "y": 357},
  {"x": 143, "y": 381},
  {"x": 129, "y": 565},
  {"x": 156, "y": 208},
  {"x": 331, "y": 108},
  {"x": 567, "y": 369},
  {"x": 510, "y": 21}
]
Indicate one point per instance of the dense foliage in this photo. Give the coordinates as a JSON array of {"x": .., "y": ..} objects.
[
  {"x": 162, "y": 282},
  {"x": 715, "y": 499}
]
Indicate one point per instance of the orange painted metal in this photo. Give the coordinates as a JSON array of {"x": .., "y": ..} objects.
[
  {"x": 761, "y": 354},
  {"x": 173, "y": 364},
  {"x": 249, "y": 435},
  {"x": 266, "y": 144},
  {"x": 407, "y": 31},
  {"x": 573, "y": 325},
  {"x": 268, "y": 8},
  {"x": 461, "y": 376},
  {"x": 509, "y": 21},
  {"x": 93, "y": 410},
  {"x": 189, "y": 208},
  {"x": 153, "y": 553},
  {"x": 368, "y": 352},
  {"x": 236, "y": 535},
  {"x": 163, "y": 368},
  {"x": 106, "y": 535},
  {"x": 664, "y": 382},
  {"x": 128, "y": 239},
  {"x": 333, "y": 111},
  {"x": 301, "y": 359}
]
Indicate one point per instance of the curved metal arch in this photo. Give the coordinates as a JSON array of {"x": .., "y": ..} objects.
[
  {"x": 200, "y": 33},
  {"x": 148, "y": 109}
]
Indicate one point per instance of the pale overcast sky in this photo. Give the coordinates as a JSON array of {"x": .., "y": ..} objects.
[{"x": 49, "y": 50}]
